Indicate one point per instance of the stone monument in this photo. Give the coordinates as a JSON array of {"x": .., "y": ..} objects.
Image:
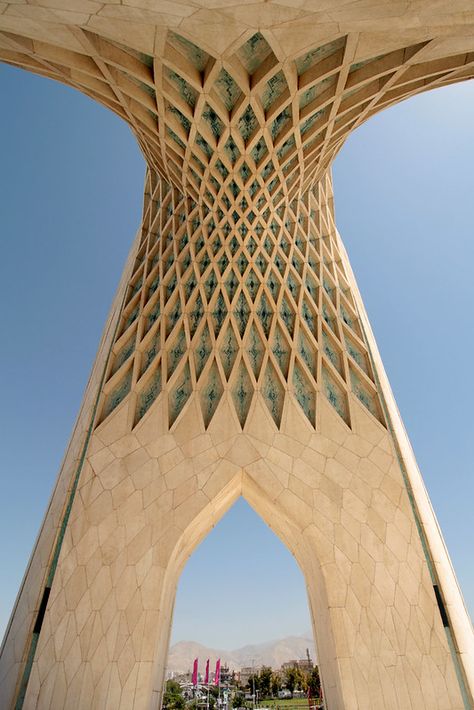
[{"x": 238, "y": 359}]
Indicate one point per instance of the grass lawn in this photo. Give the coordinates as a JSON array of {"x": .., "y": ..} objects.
[{"x": 286, "y": 704}]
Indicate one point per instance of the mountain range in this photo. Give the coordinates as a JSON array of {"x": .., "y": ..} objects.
[{"x": 270, "y": 653}]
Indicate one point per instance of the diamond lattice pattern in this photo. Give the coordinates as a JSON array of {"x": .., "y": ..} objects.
[{"x": 250, "y": 298}]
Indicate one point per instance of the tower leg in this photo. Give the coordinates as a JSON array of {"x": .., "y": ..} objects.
[{"x": 241, "y": 367}]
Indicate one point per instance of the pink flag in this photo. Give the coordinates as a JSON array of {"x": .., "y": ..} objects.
[
  {"x": 217, "y": 677},
  {"x": 206, "y": 677},
  {"x": 195, "y": 672}
]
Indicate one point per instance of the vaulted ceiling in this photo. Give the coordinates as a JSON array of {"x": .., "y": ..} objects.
[{"x": 211, "y": 87}]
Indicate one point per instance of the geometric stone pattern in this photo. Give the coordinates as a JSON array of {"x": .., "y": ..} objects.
[
  {"x": 238, "y": 359},
  {"x": 195, "y": 113},
  {"x": 240, "y": 300},
  {"x": 335, "y": 497}
]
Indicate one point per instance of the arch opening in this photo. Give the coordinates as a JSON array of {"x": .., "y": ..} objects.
[{"x": 242, "y": 601}]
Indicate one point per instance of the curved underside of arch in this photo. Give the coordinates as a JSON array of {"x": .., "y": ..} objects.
[{"x": 202, "y": 84}]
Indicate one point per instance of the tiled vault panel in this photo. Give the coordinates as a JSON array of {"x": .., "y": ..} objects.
[
  {"x": 250, "y": 298},
  {"x": 193, "y": 108}
]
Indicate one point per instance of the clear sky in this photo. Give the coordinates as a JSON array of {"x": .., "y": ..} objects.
[{"x": 71, "y": 188}]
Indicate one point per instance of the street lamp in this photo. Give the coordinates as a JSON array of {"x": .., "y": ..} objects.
[{"x": 253, "y": 683}]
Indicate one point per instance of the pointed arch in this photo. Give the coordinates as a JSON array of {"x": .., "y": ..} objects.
[{"x": 289, "y": 532}]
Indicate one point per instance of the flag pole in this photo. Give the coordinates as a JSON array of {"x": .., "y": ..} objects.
[
  {"x": 217, "y": 681},
  {"x": 195, "y": 676}
]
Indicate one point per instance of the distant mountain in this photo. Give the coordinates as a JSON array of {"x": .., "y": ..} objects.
[{"x": 269, "y": 653}]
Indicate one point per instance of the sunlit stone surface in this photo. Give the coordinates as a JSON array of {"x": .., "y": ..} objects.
[{"x": 238, "y": 359}]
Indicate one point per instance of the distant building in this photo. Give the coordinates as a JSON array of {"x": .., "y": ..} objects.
[
  {"x": 179, "y": 677},
  {"x": 303, "y": 664},
  {"x": 289, "y": 664},
  {"x": 226, "y": 675},
  {"x": 306, "y": 665},
  {"x": 247, "y": 672}
]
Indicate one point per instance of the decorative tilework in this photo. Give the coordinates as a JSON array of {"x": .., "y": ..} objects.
[
  {"x": 247, "y": 304},
  {"x": 366, "y": 395},
  {"x": 202, "y": 350},
  {"x": 273, "y": 394},
  {"x": 308, "y": 354},
  {"x": 228, "y": 351},
  {"x": 149, "y": 394},
  {"x": 335, "y": 395},
  {"x": 281, "y": 351},
  {"x": 255, "y": 350},
  {"x": 211, "y": 394},
  {"x": 123, "y": 354},
  {"x": 180, "y": 394},
  {"x": 118, "y": 394},
  {"x": 304, "y": 393},
  {"x": 242, "y": 393},
  {"x": 176, "y": 352}
]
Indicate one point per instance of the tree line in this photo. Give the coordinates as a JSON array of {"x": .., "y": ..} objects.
[
  {"x": 268, "y": 683},
  {"x": 265, "y": 683}
]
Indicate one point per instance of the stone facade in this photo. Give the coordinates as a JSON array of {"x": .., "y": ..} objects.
[{"x": 238, "y": 359}]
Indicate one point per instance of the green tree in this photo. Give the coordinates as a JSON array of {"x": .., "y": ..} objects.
[
  {"x": 213, "y": 691},
  {"x": 173, "y": 696},
  {"x": 314, "y": 683},
  {"x": 253, "y": 682},
  {"x": 238, "y": 701},
  {"x": 291, "y": 678},
  {"x": 213, "y": 695},
  {"x": 275, "y": 684},
  {"x": 300, "y": 680},
  {"x": 196, "y": 703},
  {"x": 265, "y": 679}
]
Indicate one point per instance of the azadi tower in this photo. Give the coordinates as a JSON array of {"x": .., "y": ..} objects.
[{"x": 238, "y": 359}]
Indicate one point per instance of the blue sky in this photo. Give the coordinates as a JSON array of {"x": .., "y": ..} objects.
[{"x": 71, "y": 178}]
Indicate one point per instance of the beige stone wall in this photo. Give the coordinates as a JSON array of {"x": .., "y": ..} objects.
[
  {"x": 243, "y": 363},
  {"x": 335, "y": 497},
  {"x": 329, "y": 484},
  {"x": 18, "y": 633},
  {"x": 462, "y": 631}
]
